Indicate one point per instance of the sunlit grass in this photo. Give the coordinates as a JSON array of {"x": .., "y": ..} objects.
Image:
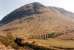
[
  {"x": 56, "y": 43},
  {"x": 8, "y": 40}
]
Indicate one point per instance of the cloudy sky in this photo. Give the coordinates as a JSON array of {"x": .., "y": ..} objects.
[{"x": 7, "y": 6}]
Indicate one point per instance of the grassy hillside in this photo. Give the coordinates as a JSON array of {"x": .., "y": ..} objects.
[{"x": 37, "y": 27}]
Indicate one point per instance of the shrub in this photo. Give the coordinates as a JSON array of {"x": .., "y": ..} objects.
[{"x": 54, "y": 34}]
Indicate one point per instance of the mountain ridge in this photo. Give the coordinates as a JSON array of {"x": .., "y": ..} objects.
[
  {"x": 25, "y": 10},
  {"x": 30, "y": 9}
]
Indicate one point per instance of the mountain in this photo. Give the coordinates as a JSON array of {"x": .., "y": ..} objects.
[
  {"x": 26, "y": 10},
  {"x": 37, "y": 19},
  {"x": 30, "y": 9}
]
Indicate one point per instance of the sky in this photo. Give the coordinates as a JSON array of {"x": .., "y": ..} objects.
[{"x": 7, "y": 6}]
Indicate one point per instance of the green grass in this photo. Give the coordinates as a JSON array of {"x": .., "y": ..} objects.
[{"x": 54, "y": 34}]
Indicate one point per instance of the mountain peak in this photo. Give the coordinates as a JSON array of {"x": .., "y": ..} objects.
[
  {"x": 27, "y": 10},
  {"x": 34, "y": 5},
  {"x": 37, "y": 4},
  {"x": 23, "y": 11}
]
